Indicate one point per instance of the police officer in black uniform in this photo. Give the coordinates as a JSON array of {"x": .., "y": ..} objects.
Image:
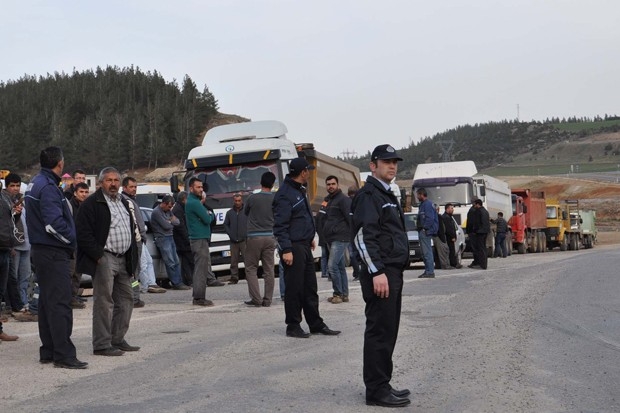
[{"x": 381, "y": 240}]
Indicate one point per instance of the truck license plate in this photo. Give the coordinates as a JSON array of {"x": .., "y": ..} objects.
[{"x": 412, "y": 252}]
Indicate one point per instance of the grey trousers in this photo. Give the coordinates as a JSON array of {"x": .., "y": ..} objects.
[
  {"x": 203, "y": 274},
  {"x": 260, "y": 248},
  {"x": 237, "y": 254},
  {"x": 112, "y": 302},
  {"x": 443, "y": 252}
]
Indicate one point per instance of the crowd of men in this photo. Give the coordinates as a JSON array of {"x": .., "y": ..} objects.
[{"x": 50, "y": 237}]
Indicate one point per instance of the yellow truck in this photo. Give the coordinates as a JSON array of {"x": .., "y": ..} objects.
[{"x": 563, "y": 225}]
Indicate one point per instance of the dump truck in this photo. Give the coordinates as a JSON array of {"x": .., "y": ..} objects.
[
  {"x": 528, "y": 221},
  {"x": 459, "y": 183},
  {"x": 588, "y": 228},
  {"x": 231, "y": 160},
  {"x": 563, "y": 225}
]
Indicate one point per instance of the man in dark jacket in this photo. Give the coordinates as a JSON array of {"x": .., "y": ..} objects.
[
  {"x": 181, "y": 240},
  {"x": 480, "y": 228},
  {"x": 380, "y": 237},
  {"x": 294, "y": 230},
  {"x": 450, "y": 225},
  {"x": 501, "y": 228},
  {"x": 80, "y": 193},
  {"x": 236, "y": 226},
  {"x": 336, "y": 228},
  {"x": 107, "y": 235},
  {"x": 10, "y": 213},
  {"x": 51, "y": 231}
]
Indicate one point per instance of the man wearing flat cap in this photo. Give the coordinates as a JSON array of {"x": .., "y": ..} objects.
[
  {"x": 381, "y": 240},
  {"x": 294, "y": 230}
]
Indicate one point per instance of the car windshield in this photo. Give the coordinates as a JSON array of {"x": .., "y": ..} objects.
[{"x": 411, "y": 222}]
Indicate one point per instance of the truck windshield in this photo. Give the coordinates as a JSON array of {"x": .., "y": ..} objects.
[
  {"x": 552, "y": 213},
  {"x": 461, "y": 193},
  {"x": 225, "y": 181}
]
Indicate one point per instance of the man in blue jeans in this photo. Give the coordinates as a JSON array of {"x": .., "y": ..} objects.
[
  {"x": 428, "y": 225},
  {"x": 162, "y": 223},
  {"x": 335, "y": 222}
]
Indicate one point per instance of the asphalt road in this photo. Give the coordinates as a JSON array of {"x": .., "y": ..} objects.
[{"x": 534, "y": 333}]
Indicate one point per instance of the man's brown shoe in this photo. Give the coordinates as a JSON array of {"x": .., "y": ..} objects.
[
  {"x": 5, "y": 337},
  {"x": 77, "y": 304},
  {"x": 26, "y": 316},
  {"x": 156, "y": 289}
]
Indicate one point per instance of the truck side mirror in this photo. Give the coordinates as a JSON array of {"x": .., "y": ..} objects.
[
  {"x": 403, "y": 198},
  {"x": 483, "y": 191},
  {"x": 564, "y": 216},
  {"x": 524, "y": 209},
  {"x": 174, "y": 184}
]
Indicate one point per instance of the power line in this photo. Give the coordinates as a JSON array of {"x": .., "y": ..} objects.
[{"x": 347, "y": 154}]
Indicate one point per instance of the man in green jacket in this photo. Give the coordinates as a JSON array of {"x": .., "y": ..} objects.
[{"x": 199, "y": 228}]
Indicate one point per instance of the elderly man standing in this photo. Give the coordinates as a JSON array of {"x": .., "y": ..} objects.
[
  {"x": 52, "y": 236},
  {"x": 107, "y": 237}
]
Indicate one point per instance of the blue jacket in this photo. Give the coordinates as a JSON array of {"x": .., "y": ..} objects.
[
  {"x": 379, "y": 228},
  {"x": 292, "y": 217},
  {"x": 427, "y": 218},
  {"x": 48, "y": 215}
]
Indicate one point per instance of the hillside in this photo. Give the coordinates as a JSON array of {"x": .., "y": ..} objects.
[{"x": 512, "y": 147}]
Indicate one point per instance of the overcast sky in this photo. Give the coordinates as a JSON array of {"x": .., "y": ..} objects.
[{"x": 342, "y": 74}]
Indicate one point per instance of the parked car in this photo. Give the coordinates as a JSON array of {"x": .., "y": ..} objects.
[
  {"x": 411, "y": 225},
  {"x": 415, "y": 251}
]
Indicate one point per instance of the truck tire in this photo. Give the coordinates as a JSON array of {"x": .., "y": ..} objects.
[
  {"x": 543, "y": 242},
  {"x": 564, "y": 243},
  {"x": 577, "y": 242},
  {"x": 534, "y": 245},
  {"x": 521, "y": 248},
  {"x": 572, "y": 245}
]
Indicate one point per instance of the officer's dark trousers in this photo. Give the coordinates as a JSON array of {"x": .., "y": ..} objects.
[
  {"x": 480, "y": 252},
  {"x": 301, "y": 290},
  {"x": 382, "y": 321},
  {"x": 53, "y": 269}
]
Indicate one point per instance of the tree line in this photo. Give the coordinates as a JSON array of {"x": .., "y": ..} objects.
[{"x": 121, "y": 117}]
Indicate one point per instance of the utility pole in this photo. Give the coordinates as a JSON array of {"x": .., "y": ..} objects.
[{"x": 446, "y": 149}]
